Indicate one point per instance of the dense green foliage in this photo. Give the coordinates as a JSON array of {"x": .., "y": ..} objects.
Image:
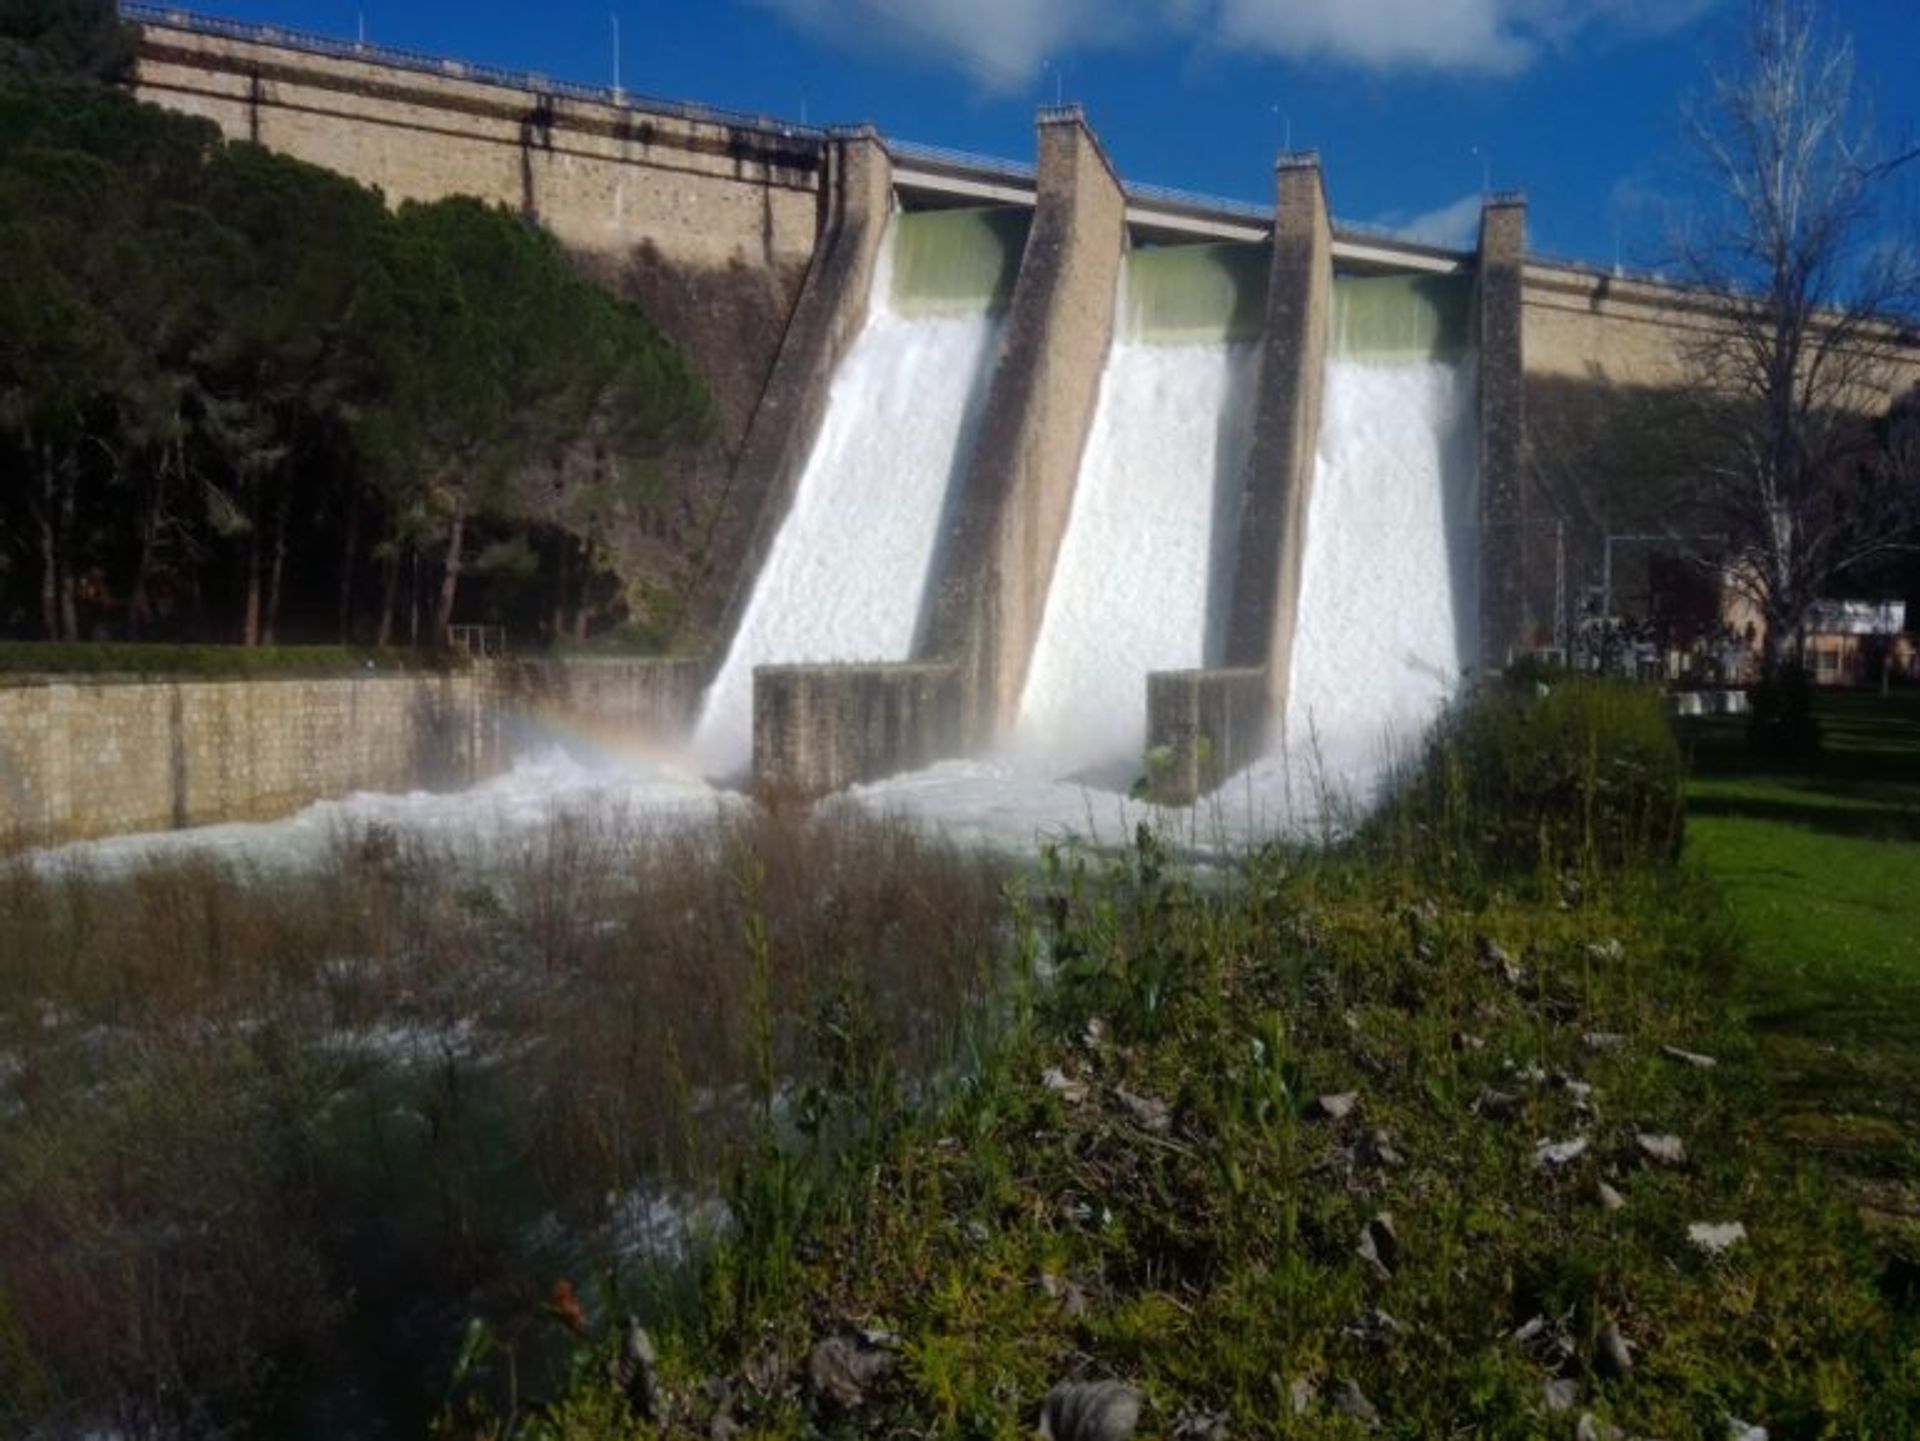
[
  {"x": 1539, "y": 776},
  {"x": 65, "y": 37},
  {"x": 234, "y": 386}
]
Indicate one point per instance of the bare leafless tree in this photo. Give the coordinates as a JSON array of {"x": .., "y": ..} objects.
[{"x": 1811, "y": 304}]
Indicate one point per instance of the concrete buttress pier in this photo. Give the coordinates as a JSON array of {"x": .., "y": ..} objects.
[
  {"x": 1203, "y": 725},
  {"x": 827, "y": 317},
  {"x": 819, "y": 728},
  {"x": 1503, "y": 482},
  {"x": 1286, "y": 429},
  {"x": 1004, "y": 527}
]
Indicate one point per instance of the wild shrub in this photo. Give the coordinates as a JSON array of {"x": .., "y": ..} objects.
[
  {"x": 1584, "y": 774},
  {"x": 263, "y": 1129}
]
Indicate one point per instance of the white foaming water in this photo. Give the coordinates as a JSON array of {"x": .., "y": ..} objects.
[
  {"x": 1385, "y": 626},
  {"x": 1388, "y": 596},
  {"x": 475, "y": 825},
  {"x": 844, "y": 578},
  {"x": 1384, "y": 633},
  {"x": 1147, "y": 552}
]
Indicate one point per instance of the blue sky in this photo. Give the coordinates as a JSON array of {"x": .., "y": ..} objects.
[{"x": 1412, "y": 103}]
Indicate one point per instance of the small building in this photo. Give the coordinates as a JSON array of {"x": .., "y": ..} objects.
[{"x": 1850, "y": 642}]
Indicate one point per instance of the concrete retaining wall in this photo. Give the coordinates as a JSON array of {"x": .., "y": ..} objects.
[
  {"x": 822, "y": 728},
  {"x": 109, "y": 756},
  {"x": 1503, "y": 482},
  {"x": 829, "y": 314},
  {"x": 1204, "y": 725},
  {"x": 1004, "y": 526},
  {"x": 104, "y": 757}
]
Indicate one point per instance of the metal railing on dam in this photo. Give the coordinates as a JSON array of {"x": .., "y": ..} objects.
[
  {"x": 941, "y": 160},
  {"x": 531, "y": 82}
]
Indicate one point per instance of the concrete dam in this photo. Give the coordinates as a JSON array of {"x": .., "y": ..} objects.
[
  {"x": 1083, "y": 481},
  {"x": 1108, "y": 500}
]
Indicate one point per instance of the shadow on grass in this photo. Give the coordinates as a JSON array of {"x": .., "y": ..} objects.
[
  {"x": 1815, "y": 864},
  {"x": 1867, "y": 739},
  {"x": 1863, "y": 821}
]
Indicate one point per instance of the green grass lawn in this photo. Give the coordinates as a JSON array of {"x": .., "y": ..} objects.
[{"x": 1822, "y": 869}]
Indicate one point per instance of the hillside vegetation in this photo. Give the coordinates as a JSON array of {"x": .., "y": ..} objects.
[{"x": 241, "y": 399}]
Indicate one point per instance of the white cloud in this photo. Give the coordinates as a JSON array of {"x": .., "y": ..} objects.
[
  {"x": 1001, "y": 43},
  {"x": 1455, "y": 225},
  {"x": 1462, "y": 36}
]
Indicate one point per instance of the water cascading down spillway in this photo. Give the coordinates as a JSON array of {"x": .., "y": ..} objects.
[
  {"x": 1141, "y": 580},
  {"x": 1388, "y": 606},
  {"x": 845, "y": 576}
]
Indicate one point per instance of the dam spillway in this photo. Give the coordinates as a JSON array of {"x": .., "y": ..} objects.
[
  {"x": 1388, "y": 601},
  {"x": 846, "y": 575},
  {"x": 1139, "y": 581}
]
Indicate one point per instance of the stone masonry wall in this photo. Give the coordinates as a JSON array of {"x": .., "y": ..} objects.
[
  {"x": 105, "y": 757},
  {"x": 642, "y": 698},
  {"x": 601, "y": 178},
  {"x": 818, "y": 729}
]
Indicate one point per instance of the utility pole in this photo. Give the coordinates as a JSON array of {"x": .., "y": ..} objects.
[
  {"x": 1059, "y": 94},
  {"x": 614, "y": 16}
]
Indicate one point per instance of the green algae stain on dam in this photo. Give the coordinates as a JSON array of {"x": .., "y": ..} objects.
[
  {"x": 1196, "y": 294},
  {"x": 958, "y": 262},
  {"x": 1401, "y": 318}
]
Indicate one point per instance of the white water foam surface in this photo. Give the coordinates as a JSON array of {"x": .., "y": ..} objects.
[
  {"x": 1384, "y": 635},
  {"x": 845, "y": 576},
  {"x": 1388, "y": 593},
  {"x": 1385, "y": 631},
  {"x": 1146, "y": 556},
  {"x": 477, "y": 824}
]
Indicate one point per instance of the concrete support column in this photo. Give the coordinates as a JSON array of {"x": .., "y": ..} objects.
[
  {"x": 829, "y": 313},
  {"x": 1279, "y": 483},
  {"x": 1204, "y": 725},
  {"x": 1503, "y": 487},
  {"x": 1005, "y": 525},
  {"x": 822, "y": 728}
]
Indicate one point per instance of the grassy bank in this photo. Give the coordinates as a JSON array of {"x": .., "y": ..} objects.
[
  {"x": 1410, "y": 1140},
  {"x": 1146, "y": 1184},
  {"x": 1407, "y": 1138},
  {"x": 201, "y": 662},
  {"x": 1821, "y": 867}
]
